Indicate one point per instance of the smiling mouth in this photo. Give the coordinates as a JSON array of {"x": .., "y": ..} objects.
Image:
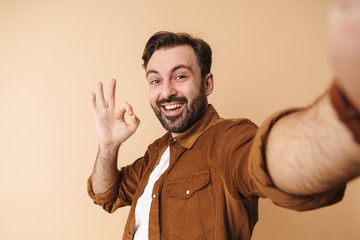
[{"x": 172, "y": 107}]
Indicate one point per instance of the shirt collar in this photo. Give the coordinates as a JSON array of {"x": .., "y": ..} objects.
[{"x": 188, "y": 138}]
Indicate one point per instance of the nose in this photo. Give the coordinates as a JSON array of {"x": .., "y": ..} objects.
[{"x": 168, "y": 90}]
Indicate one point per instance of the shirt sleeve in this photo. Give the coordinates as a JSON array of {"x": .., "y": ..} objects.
[
  {"x": 122, "y": 193},
  {"x": 263, "y": 185}
]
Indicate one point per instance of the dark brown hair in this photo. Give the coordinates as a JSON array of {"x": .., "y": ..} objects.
[{"x": 169, "y": 39}]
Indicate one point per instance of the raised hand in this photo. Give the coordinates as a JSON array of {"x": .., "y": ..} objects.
[
  {"x": 344, "y": 46},
  {"x": 111, "y": 127}
]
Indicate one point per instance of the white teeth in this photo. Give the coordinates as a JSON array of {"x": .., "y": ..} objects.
[{"x": 172, "y": 107}]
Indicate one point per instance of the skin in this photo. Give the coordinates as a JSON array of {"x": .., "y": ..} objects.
[{"x": 307, "y": 152}]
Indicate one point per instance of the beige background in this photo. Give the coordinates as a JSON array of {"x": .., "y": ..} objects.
[{"x": 268, "y": 55}]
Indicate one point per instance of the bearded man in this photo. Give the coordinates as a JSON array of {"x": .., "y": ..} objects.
[{"x": 203, "y": 178}]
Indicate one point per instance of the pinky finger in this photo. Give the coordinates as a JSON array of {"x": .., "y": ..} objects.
[{"x": 93, "y": 103}]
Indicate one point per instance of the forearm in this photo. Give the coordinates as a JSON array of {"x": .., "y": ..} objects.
[
  {"x": 312, "y": 151},
  {"x": 105, "y": 172}
]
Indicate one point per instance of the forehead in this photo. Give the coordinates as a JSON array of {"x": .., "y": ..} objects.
[{"x": 166, "y": 58}]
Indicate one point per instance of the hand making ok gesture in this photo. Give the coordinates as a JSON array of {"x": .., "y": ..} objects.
[{"x": 111, "y": 127}]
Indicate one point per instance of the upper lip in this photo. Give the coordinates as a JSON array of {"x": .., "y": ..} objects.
[{"x": 170, "y": 103}]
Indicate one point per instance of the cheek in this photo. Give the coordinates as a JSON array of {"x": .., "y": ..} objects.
[
  {"x": 153, "y": 96},
  {"x": 190, "y": 93}
]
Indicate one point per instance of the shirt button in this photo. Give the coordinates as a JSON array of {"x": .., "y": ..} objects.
[
  {"x": 187, "y": 192},
  {"x": 154, "y": 196},
  {"x": 174, "y": 139}
]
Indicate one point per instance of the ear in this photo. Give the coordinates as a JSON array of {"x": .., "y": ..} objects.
[{"x": 209, "y": 83}]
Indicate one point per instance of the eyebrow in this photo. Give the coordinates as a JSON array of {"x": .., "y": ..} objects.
[
  {"x": 151, "y": 71},
  {"x": 172, "y": 70}
]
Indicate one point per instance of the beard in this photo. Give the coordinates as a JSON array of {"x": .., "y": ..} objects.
[{"x": 188, "y": 117}]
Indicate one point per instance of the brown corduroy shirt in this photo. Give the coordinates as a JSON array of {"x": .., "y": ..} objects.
[{"x": 216, "y": 174}]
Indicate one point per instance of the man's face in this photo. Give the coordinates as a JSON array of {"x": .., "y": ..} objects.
[{"x": 176, "y": 90}]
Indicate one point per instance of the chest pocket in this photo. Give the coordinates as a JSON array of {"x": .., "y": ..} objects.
[
  {"x": 185, "y": 188},
  {"x": 190, "y": 207}
]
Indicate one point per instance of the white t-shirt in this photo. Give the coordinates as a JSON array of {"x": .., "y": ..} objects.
[{"x": 142, "y": 209}]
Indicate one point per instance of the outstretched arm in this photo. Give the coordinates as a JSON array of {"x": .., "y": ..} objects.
[
  {"x": 312, "y": 151},
  {"x": 112, "y": 130}
]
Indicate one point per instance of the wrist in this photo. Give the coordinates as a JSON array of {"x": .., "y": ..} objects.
[
  {"x": 108, "y": 151},
  {"x": 346, "y": 110}
]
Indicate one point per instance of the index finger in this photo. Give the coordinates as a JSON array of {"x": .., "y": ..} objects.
[{"x": 126, "y": 108}]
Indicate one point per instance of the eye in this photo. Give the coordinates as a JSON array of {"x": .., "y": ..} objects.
[
  {"x": 180, "y": 77},
  {"x": 155, "y": 82}
]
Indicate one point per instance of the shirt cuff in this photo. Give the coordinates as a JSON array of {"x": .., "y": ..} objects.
[{"x": 102, "y": 198}]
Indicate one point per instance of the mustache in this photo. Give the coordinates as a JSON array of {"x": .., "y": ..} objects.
[{"x": 171, "y": 99}]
